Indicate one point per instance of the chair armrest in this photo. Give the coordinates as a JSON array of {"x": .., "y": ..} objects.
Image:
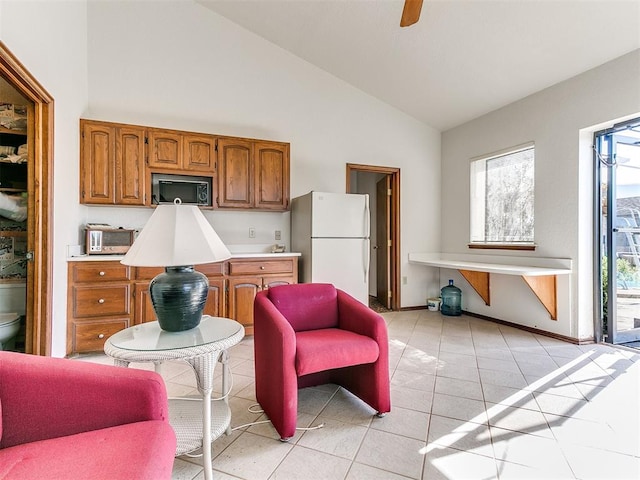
[
  {"x": 274, "y": 343},
  {"x": 357, "y": 317},
  {"x": 272, "y": 331},
  {"x": 44, "y": 397}
]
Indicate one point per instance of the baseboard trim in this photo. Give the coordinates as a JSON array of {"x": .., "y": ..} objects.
[{"x": 557, "y": 336}]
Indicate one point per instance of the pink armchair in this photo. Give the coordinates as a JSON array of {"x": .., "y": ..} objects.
[
  {"x": 310, "y": 334},
  {"x": 63, "y": 419}
]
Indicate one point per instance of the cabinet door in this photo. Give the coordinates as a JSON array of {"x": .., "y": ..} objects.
[
  {"x": 97, "y": 156},
  {"x": 199, "y": 153},
  {"x": 235, "y": 173},
  {"x": 142, "y": 307},
  {"x": 271, "y": 175},
  {"x": 130, "y": 166},
  {"x": 242, "y": 292},
  {"x": 215, "y": 305},
  {"x": 165, "y": 149}
]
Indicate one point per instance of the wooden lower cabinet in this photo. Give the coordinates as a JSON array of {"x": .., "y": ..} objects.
[
  {"x": 106, "y": 296},
  {"x": 216, "y": 305},
  {"x": 247, "y": 276},
  {"x": 91, "y": 335},
  {"x": 99, "y": 303},
  {"x": 142, "y": 308},
  {"x": 242, "y": 292}
]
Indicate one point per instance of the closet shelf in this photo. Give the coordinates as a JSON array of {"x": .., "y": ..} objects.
[{"x": 12, "y": 132}]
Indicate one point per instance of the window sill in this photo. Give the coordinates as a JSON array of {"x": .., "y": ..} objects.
[{"x": 503, "y": 246}]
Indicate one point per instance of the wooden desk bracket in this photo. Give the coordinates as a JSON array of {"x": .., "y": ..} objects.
[
  {"x": 543, "y": 287},
  {"x": 480, "y": 283}
]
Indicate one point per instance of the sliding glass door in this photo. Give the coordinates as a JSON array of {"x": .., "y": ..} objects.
[{"x": 618, "y": 153}]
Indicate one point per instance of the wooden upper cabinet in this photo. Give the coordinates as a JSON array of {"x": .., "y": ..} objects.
[
  {"x": 117, "y": 162},
  {"x": 130, "y": 166},
  {"x": 253, "y": 174},
  {"x": 184, "y": 151},
  {"x": 112, "y": 165},
  {"x": 165, "y": 149},
  {"x": 97, "y": 156},
  {"x": 271, "y": 175},
  {"x": 199, "y": 153},
  {"x": 235, "y": 173}
]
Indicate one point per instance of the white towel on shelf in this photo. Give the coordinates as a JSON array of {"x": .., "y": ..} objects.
[{"x": 14, "y": 208}]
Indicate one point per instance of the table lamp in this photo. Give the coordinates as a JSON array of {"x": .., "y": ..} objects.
[{"x": 177, "y": 237}]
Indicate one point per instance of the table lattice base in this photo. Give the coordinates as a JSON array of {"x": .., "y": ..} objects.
[{"x": 185, "y": 416}]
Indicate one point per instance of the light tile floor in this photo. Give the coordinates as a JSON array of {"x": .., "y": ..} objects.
[{"x": 470, "y": 399}]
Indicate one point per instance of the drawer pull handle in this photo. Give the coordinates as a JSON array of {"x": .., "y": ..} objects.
[
  {"x": 101, "y": 335},
  {"x": 262, "y": 267},
  {"x": 101, "y": 300},
  {"x": 101, "y": 274}
]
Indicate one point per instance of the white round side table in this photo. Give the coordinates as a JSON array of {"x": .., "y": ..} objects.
[{"x": 201, "y": 347}]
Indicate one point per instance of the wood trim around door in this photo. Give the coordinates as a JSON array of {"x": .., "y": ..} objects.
[
  {"x": 395, "y": 222},
  {"x": 40, "y": 205}
]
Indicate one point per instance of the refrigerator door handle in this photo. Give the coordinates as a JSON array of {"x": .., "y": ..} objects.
[
  {"x": 367, "y": 220},
  {"x": 366, "y": 260}
]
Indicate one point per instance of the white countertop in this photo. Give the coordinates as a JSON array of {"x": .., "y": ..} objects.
[
  {"x": 462, "y": 263},
  {"x": 95, "y": 258}
]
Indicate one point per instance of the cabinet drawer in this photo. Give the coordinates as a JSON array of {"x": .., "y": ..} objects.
[
  {"x": 209, "y": 269},
  {"x": 260, "y": 267},
  {"x": 95, "y": 301},
  {"x": 99, "y": 272},
  {"x": 90, "y": 336},
  {"x": 147, "y": 273}
]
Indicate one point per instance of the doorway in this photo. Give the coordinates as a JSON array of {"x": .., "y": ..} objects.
[
  {"x": 383, "y": 186},
  {"x": 39, "y": 188},
  {"x": 618, "y": 171}
]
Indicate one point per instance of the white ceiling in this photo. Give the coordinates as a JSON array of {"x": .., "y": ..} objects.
[{"x": 464, "y": 58}]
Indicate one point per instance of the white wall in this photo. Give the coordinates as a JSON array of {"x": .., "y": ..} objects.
[
  {"x": 179, "y": 65},
  {"x": 49, "y": 39},
  {"x": 559, "y": 120}
]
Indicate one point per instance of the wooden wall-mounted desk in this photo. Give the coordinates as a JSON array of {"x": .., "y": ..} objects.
[{"x": 541, "y": 280}]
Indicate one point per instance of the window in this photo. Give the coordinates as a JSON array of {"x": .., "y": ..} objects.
[{"x": 502, "y": 198}]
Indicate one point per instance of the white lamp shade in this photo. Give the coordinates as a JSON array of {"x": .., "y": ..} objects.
[{"x": 176, "y": 235}]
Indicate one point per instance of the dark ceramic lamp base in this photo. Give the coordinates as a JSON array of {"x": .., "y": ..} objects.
[{"x": 178, "y": 296}]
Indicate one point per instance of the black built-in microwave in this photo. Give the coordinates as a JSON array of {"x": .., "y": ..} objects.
[{"x": 191, "y": 190}]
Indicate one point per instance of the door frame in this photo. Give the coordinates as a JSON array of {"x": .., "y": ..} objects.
[
  {"x": 382, "y": 249},
  {"x": 394, "y": 173},
  {"x": 608, "y": 230},
  {"x": 40, "y": 205}
]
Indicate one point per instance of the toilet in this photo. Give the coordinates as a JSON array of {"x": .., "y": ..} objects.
[
  {"x": 9, "y": 328},
  {"x": 12, "y": 308}
]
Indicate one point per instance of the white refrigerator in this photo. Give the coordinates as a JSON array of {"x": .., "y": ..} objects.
[{"x": 331, "y": 231}]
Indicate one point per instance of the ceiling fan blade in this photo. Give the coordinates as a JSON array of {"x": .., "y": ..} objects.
[{"x": 411, "y": 12}]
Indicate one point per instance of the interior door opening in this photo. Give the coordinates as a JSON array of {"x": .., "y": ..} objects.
[
  {"x": 15, "y": 163},
  {"x": 617, "y": 151},
  {"x": 39, "y": 225},
  {"x": 383, "y": 186}
]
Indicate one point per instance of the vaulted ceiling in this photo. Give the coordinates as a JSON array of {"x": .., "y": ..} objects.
[{"x": 464, "y": 58}]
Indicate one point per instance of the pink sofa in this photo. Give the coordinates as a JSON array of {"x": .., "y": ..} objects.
[
  {"x": 310, "y": 334},
  {"x": 64, "y": 419}
]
